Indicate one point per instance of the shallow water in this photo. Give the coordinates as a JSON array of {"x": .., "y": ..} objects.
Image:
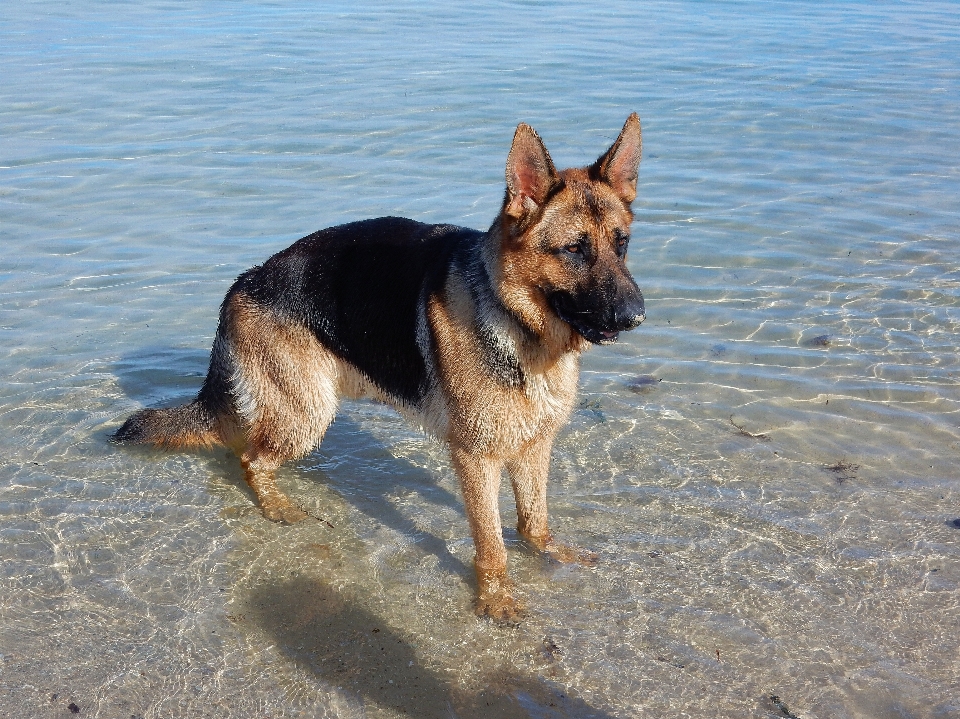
[{"x": 767, "y": 466}]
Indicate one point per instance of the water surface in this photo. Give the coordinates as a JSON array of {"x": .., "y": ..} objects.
[{"x": 767, "y": 467}]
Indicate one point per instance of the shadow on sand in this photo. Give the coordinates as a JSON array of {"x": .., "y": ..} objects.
[{"x": 323, "y": 631}]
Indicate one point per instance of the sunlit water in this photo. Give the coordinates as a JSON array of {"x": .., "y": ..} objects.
[{"x": 767, "y": 467}]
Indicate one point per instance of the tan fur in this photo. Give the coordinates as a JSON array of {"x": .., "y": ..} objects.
[
  {"x": 175, "y": 428},
  {"x": 494, "y": 427},
  {"x": 286, "y": 383},
  {"x": 287, "y": 388}
]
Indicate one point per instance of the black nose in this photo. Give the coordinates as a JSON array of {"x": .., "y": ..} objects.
[{"x": 630, "y": 313}]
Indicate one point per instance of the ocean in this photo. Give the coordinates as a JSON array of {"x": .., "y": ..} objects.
[{"x": 767, "y": 467}]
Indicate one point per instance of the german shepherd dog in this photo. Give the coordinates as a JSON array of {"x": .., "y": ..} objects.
[{"x": 474, "y": 336}]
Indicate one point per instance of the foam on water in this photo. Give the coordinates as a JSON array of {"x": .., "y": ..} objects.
[{"x": 767, "y": 466}]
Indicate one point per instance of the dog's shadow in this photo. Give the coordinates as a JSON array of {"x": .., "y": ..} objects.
[
  {"x": 330, "y": 635},
  {"x": 365, "y": 473}
]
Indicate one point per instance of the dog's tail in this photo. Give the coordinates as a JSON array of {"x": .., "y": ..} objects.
[{"x": 189, "y": 425}]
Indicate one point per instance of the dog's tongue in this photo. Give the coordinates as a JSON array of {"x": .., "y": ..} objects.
[{"x": 608, "y": 335}]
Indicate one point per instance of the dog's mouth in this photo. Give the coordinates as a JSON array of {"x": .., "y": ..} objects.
[{"x": 590, "y": 333}]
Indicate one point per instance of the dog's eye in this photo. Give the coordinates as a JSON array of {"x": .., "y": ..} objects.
[{"x": 578, "y": 248}]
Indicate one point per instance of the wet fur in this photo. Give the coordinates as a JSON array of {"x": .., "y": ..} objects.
[{"x": 476, "y": 337}]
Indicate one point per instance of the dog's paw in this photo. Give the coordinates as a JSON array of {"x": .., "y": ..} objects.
[
  {"x": 284, "y": 513},
  {"x": 495, "y": 599},
  {"x": 502, "y": 608},
  {"x": 569, "y": 554}
]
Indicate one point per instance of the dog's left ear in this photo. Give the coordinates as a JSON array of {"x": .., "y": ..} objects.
[
  {"x": 618, "y": 167},
  {"x": 530, "y": 173}
]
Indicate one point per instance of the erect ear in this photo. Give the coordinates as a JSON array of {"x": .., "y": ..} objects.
[
  {"x": 618, "y": 167},
  {"x": 530, "y": 172}
]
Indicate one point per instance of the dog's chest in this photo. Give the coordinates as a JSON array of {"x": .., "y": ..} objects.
[
  {"x": 482, "y": 407},
  {"x": 502, "y": 419},
  {"x": 548, "y": 396}
]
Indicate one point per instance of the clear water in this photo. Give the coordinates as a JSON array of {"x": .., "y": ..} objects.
[{"x": 768, "y": 466}]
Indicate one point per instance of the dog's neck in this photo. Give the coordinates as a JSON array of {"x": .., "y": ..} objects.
[{"x": 522, "y": 345}]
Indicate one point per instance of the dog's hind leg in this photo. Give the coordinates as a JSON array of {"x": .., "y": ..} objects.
[
  {"x": 289, "y": 426},
  {"x": 286, "y": 428},
  {"x": 290, "y": 421},
  {"x": 260, "y": 473},
  {"x": 285, "y": 386},
  {"x": 528, "y": 474}
]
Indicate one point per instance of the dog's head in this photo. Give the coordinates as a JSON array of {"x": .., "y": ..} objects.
[{"x": 564, "y": 238}]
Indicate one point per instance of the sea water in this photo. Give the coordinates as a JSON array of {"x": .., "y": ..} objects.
[{"x": 767, "y": 467}]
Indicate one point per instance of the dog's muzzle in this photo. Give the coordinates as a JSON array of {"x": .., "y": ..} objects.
[{"x": 602, "y": 328}]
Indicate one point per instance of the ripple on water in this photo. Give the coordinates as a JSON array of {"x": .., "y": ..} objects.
[{"x": 766, "y": 466}]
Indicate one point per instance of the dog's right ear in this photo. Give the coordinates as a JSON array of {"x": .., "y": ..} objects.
[{"x": 530, "y": 173}]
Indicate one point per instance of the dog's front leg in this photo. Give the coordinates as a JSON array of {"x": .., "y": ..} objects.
[
  {"x": 480, "y": 483},
  {"x": 528, "y": 474}
]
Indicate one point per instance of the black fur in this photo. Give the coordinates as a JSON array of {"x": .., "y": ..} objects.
[{"x": 359, "y": 288}]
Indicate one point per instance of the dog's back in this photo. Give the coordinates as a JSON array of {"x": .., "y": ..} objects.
[{"x": 359, "y": 288}]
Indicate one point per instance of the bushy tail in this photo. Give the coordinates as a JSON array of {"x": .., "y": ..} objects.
[{"x": 189, "y": 425}]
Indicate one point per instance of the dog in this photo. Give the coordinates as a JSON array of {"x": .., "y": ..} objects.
[{"x": 474, "y": 336}]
